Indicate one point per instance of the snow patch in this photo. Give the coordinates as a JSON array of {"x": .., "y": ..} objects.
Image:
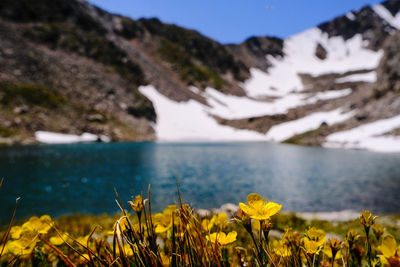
[
  {"x": 350, "y": 16},
  {"x": 58, "y": 138},
  {"x": 385, "y": 14},
  {"x": 313, "y": 121},
  {"x": 334, "y": 216},
  {"x": 369, "y": 77},
  {"x": 189, "y": 121},
  {"x": 234, "y": 107},
  {"x": 328, "y": 95},
  {"x": 282, "y": 78},
  {"x": 368, "y": 136}
]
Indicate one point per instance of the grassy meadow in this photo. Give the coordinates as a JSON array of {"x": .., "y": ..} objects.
[{"x": 258, "y": 234}]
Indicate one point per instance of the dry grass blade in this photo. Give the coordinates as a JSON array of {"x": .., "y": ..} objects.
[
  {"x": 120, "y": 242},
  {"x": 177, "y": 187},
  {"x": 87, "y": 245},
  {"x": 69, "y": 245},
  {"x": 59, "y": 252},
  {"x": 7, "y": 233}
]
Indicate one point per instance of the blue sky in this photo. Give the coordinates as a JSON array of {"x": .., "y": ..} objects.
[{"x": 232, "y": 21}]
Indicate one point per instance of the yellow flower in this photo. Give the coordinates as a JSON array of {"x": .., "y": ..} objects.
[
  {"x": 24, "y": 245},
  {"x": 311, "y": 247},
  {"x": 367, "y": 219},
  {"x": 58, "y": 240},
  {"x": 281, "y": 249},
  {"x": 222, "y": 238},
  {"x": 352, "y": 236},
  {"x": 314, "y": 239},
  {"x": 388, "y": 246},
  {"x": 317, "y": 235},
  {"x": 138, "y": 204},
  {"x": 328, "y": 253},
  {"x": 208, "y": 224},
  {"x": 41, "y": 225},
  {"x": 16, "y": 232},
  {"x": 163, "y": 221},
  {"x": 333, "y": 245},
  {"x": 388, "y": 249},
  {"x": 258, "y": 208},
  {"x": 221, "y": 220}
]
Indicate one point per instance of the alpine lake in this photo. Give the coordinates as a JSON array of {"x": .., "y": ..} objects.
[{"x": 81, "y": 178}]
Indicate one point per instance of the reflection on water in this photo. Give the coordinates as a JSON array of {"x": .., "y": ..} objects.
[{"x": 61, "y": 179}]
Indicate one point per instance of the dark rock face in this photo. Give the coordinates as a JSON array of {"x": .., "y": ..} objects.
[
  {"x": 49, "y": 11},
  {"x": 393, "y": 6},
  {"x": 261, "y": 46},
  {"x": 320, "y": 52},
  {"x": 389, "y": 68},
  {"x": 254, "y": 50},
  {"x": 366, "y": 22},
  {"x": 143, "y": 109}
]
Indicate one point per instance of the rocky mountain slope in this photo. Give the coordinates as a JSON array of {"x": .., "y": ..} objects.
[{"x": 69, "y": 67}]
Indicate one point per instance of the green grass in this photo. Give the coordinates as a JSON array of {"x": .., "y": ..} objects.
[
  {"x": 31, "y": 95},
  {"x": 299, "y": 138},
  {"x": 7, "y": 132}
]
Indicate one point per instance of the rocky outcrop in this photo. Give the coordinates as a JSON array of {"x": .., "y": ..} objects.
[
  {"x": 389, "y": 68},
  {"x": 254, "y": 50},
  {"x": 320, "y": 52},
  {"x": 365, "y": 22}
]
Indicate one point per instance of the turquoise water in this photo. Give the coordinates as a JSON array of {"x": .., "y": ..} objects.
[{"x": 65, "y": 179}]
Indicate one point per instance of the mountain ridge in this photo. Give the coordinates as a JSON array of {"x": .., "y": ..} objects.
[{"x": 99, "y": 66}]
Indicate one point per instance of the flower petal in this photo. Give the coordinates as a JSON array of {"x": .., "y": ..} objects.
[
  {"x": 273, "y": 208},
  {"x": 384, "y": 261},
  {"x": 231, "y": 237},
  {"x": 246, "y": 209},
  {"x": 255, "y": 201},
  {"x": 388, "y": 246},
  {"x": 213, "y": 237}
]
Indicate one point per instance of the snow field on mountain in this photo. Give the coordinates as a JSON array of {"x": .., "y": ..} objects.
[
  {"x": 234, "y": 107},
  {"x": 299, "y": 50},
  {"x": 368, "y": 136},
  {"x": 387, "y": 16},
  {"x": 283, "y": 131},
  {"x": 189, "y": 121}
]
